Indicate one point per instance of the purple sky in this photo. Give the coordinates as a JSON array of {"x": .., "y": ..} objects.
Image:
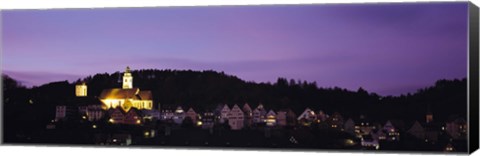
[{"x": 385, "y": 48}]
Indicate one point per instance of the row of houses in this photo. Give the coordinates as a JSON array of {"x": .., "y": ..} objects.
[
  {"x": 240, "y": 117},
  {"x": 236, "y": 117},
  {"x": 370, "y": 133}
]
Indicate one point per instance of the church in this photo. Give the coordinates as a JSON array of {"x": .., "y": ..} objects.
[{"x": 126, "y": 97}]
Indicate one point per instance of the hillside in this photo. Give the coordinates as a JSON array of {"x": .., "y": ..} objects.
[{"x": 205, "y": 89}]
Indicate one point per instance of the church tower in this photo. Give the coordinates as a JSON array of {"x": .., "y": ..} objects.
[
  {"x": 81, "y": 89},
  {"x": 127, "y": 79}
]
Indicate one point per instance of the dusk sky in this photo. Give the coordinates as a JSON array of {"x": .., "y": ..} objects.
[{"x": 389, "y": 49}]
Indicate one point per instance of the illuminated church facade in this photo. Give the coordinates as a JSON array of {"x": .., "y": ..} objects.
[{"x": 126, "y": 97}]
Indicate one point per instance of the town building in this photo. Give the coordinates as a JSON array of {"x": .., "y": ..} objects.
[
  {"x": 369, "y": 142},
  {"x": 432, "y": 129},
  {"x": 392, "y": 134},
  {"x": 291, "y": 118},
  {"x": 81, "y": 89},
  {"x": 335, "y": 121},
  {"x": 126, "y": 97},
  {"x": 349, "y": 127},
  {"x": 432, "y": 132},
  {"x": 152, "y": 115},
  {"x": 307, "y": 117},
  {"x": 94, "y": 112},
  {"x": 282, "y": 118},
  {"x": 208, "y": 120},
  {"x": 64, "y": 112},
  {"x": 82, "y": 110},
  {"x": 236, "y": 118},
  {"x": 248, "y": 113},
  {"x": 133, "y": 116},
  {"x": 192, "y": 115},
  {"x": 321, "y": 116},
  {"x": 119, "y": 116},
  {"x": 456, "y": 128},
  {"x": 223, "y": 116},
  {"x": 166, "y": 114},
  {"x": 363, "y": 126},
  {"x": 379, "y": 134},
  {"x": 259, "y": 114},
  {"x": 271, "y": 118},
  {"x": 178, "y": 115},
  {"x": 417, "y": 130},
  {"x": 89, "y": 108}
]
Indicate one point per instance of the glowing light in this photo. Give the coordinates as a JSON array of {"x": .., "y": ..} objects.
[
  {"x": 94, "y": 126},
  {"x": 114, "y": 140},
  {"x": 449, "y": 149},
  {"x": 146, "y": 134},
  {"x": 111, "y": 121},
  {"x": 84, "y": 117},
  {"x": 81, "y": 90},
  {"x": 139, "y": 122},
  {"x": 199, "y": 123},
  {"x": 349, "y": 142}
]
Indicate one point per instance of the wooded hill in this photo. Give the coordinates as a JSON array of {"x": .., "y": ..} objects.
[{"x": 204, "y": 90}]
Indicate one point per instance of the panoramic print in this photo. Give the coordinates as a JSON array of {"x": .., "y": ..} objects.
[{"x": 343, "y": 77}]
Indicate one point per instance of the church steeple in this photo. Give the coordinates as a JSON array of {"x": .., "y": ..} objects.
[{"x": 127, "y": 79}]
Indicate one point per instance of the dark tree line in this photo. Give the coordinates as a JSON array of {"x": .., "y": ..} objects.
[{"x": 206, "y": 89}]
